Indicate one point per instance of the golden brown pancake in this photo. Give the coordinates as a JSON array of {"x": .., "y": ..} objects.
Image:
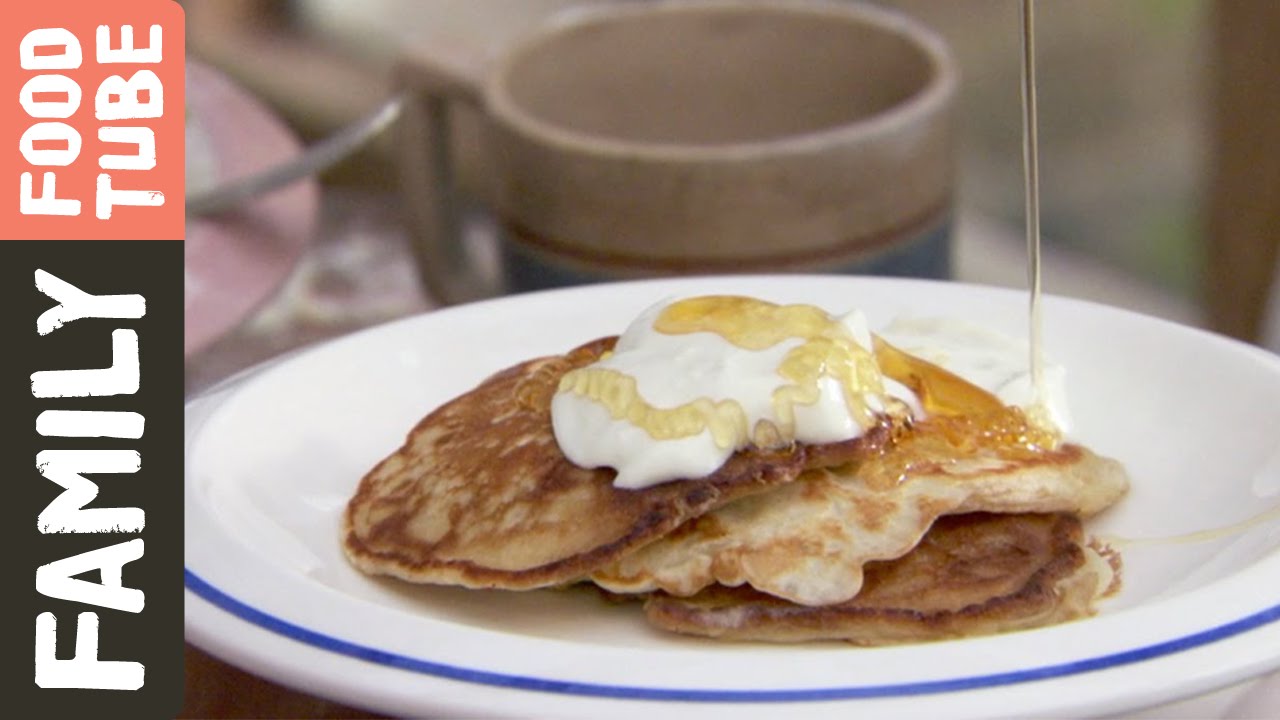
[
  {"x": 973, "y": 574},
  {"x": 480, "y": 494},
  {"x": 808, "y": 541}
]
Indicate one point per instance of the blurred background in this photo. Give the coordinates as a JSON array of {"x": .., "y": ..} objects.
[
  {"x": 1143, "y": 190},
  {"x": 1138, "y": 167},
  {"x": 1123, "y": 98},
  {"x": 1160, "y": 166}
]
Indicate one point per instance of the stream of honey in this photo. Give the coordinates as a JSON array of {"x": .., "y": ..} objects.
[
  {"x": 1031, "y": 171},
  {"x": 1031, "y": 177}
]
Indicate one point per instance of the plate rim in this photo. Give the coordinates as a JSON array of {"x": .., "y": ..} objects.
[
  {"x": 217, "y": 598},
  {"x": 322, "y": 641}
]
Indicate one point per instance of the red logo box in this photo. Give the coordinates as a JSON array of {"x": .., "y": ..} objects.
[{"x": 93, "y": 121}]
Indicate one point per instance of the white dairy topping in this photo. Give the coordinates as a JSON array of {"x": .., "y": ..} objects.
[
  {"x": 672, "y": 370},
  {"x": 994, "y": 362}
]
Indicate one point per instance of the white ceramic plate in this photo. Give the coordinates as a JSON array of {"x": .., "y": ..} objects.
[{"x": 273, "y": 455}]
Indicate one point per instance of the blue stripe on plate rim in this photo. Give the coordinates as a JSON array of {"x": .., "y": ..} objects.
[{"x": 277, "y": 625}]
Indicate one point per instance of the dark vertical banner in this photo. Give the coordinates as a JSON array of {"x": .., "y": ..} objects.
[{"x": 91, "y": 386}]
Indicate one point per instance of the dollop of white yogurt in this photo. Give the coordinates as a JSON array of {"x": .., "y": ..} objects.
[{"x": 671, "y": 370}]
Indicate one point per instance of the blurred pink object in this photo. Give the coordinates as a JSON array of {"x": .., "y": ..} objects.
[{"x": 236, "y": 261}]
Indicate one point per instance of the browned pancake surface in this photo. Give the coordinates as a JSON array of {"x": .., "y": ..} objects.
[
  {"x": 972, "y": 574},
  {"x": 807, "y": 541},
  {"x": 480, "y": 494}
]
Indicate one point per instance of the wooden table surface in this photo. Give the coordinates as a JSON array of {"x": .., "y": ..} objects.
[{"x": 215, "y": 689}]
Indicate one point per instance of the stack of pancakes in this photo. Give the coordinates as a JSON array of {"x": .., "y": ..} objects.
[{"x": 951, "y": 526}]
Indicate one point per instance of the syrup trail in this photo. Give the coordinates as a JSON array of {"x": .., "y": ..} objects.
[
  {"x": 1031, "y": 175},
  {"x": 1263, "y": 518}
]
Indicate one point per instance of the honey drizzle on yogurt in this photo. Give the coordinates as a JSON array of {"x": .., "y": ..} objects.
[
  {"x": 827, "y": 350},
  {"x": 617, "y": 392}
]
